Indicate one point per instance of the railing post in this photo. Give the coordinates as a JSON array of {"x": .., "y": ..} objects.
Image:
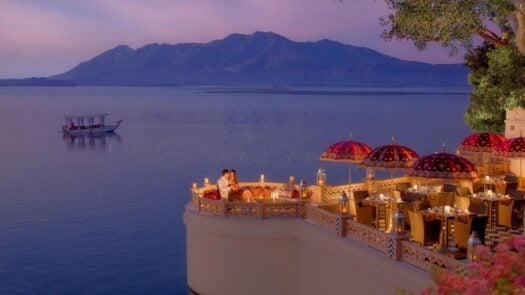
[
  {"x": 394, "y": 245},
  {"x": 223, "y": 205},
  {"x": 342, "y": 224},
  {"x": 260, "y": 210}
]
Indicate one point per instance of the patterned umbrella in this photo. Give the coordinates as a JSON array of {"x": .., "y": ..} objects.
[
  {"x": 481, "y": 142},
  {"x": 443, "y": 165},
  {"x": 349, "y": 151},
  {"x": 511, "y": 148},
  {"x": 346, "y": 151},
  {"x": 391, "y": 157}
]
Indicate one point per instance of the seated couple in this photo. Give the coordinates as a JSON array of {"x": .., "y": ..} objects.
[{"x": 230, "y": 190}]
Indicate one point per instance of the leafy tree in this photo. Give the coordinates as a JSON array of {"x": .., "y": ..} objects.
[
  {"x": 497, "y": 66},
  {"x": 454, "y": 23},
  {"x": 498, "y": 77}
]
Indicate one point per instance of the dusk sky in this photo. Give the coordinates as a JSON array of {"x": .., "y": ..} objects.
[{"x": 46, "y": 37}]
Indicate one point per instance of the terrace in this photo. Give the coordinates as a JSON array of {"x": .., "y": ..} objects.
[{"x": 320, "y": 205}]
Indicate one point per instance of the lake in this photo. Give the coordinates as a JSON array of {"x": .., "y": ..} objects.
[{"x": 105, "y": 216}]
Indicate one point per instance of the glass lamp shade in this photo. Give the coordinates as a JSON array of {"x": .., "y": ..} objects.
[
  {"x": 473, "y": 241},
  {"x": 304, "y": 189},
  {"x": 321, "y": 176},
  {"x": 398, "y": 223},
  {"x": 344, "y": 204}
]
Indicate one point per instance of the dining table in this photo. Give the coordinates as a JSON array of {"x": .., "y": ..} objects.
[
  {"x": 450, "y": 215},
  {"x": 491, "y": 200}
]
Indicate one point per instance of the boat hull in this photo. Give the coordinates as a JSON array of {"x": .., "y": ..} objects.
[{"x": 86, "y": 131}]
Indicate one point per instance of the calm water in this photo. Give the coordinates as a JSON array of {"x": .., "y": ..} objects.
[{"x": 106, "y": 216}]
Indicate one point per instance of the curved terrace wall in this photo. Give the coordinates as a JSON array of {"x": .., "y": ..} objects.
[{"x": 240, "y": 255}]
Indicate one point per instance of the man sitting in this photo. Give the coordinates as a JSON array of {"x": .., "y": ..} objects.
[{"x": 223, "y": 186}]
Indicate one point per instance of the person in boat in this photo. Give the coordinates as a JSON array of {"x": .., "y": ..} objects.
[
  {"x": 223, "y": 185},
  {"x": 236, "y": 192}
]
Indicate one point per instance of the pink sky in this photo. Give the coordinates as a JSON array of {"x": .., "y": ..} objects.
[{"x": 46, "y": 37}]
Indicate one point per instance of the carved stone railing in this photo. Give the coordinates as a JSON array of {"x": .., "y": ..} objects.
[
  {"x": 260, "y": 209},
  {"x": 367, "y": 235},
  {"x": 427, "y": 259},
  {"x": 330, "y": 193},
  {"x": 328, "y": 220},
  {"x": 386, "y": 185},
  {"x": 396, "y": 247}
]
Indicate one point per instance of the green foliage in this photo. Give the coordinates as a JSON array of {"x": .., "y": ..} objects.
[
  {"x": 452, "y": 23},
  {"x": 498, "y": 77}
]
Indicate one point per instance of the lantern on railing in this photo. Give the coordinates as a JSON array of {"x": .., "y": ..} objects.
[
  {"x": 398, "y": 223},
  {"x": 344, "y": 204},
  {"x": 473, "y": 241},
  {"x": 321, "y": 176},
  {"x": 206, "y": 182},
  {"x": 262, "y": 179},
  {"x": 304, "y": 189},
  {"x": 275, "y": 195},
  {"x": 370, "y": 174}
]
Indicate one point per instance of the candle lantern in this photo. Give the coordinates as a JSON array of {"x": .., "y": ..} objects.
[
  {"x": 194, "y": 185},
  {"x": 275, "y": 194},
  {"x": 370, "y": 174},
  {"x": 304, "y": 189},
  {"x": 206, "y": 182},
  {"x": 472, "y": 243},
  {"x": 262, "y": 179},
  {"x": 321, "y": 176},
  {"x": 398, "y": 223},
  {"x": 344, "y": 204}
]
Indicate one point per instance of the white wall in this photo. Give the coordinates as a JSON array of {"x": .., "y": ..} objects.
[{"x": 287, "y": 256}]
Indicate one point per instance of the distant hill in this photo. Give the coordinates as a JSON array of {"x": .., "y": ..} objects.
[
  {"x": 258, "y": 59},
  {"x": 35, "y": 82}
]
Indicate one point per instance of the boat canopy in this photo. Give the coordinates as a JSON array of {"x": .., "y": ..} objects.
[{"x": 89, "y": 118}]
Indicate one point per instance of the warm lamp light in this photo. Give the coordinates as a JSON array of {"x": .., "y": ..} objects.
[
  {"x": 344, "y": 204},
  {"x": 262, "y": 179},
  {"x": 398, "y": 223},
  {"x": 472, "y": 243},
  {"x": 321, "y": 176},
  {"x": 304, "y": 189},
  {"x": 206, "y": 182},
  {"x": 194, "y": 185}
]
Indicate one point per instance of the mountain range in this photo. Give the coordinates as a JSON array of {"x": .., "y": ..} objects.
[{"x": 261, "y": 58}]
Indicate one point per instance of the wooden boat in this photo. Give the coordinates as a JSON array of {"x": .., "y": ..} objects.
[{"x": 89, "y": 124}]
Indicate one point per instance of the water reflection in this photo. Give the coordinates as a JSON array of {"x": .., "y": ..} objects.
[{"x": 102, "y": 141}]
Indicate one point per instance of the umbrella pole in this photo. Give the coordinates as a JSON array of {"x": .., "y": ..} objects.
[
  {"x": 391, "y": 219},
  {"x": 350, "y": 181}
]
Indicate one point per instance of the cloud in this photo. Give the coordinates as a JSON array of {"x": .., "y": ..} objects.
[{"x": 55, "y": 35}]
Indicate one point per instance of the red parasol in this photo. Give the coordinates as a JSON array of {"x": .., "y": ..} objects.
[
  {"x": 443, "y": 165},
  {"x": 511, "y": 148},
  {"x": 346, "y": 151},
  {"x": 481, "y": 142},
  {"x": 349, "y": 151},
  {"x": 391, "y": 156}
]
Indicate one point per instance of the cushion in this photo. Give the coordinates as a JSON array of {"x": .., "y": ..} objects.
[{"x": 214, "y": 195}]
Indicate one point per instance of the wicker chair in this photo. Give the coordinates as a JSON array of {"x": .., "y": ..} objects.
[
  {"x": 423, "y": 232},
  {"x": 478, "y": 208},
  {"x": 463, "y": 229},
  {"x": 463, "y": 191},
  {"x": 462, "y": 202},
  {"x": 364, "y": 215},
  {"x": 442, "y": 198},
  {"x": 505, "y": 213},
  {"x": 449, "y": 188}
]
